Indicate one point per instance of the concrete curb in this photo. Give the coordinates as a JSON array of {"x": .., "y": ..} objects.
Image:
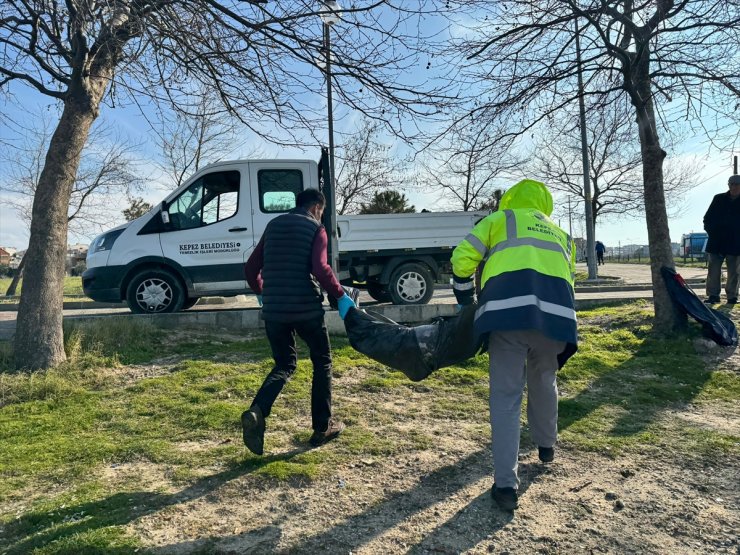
[
  {"x": 83, "y": 305},
  {"x": 251, "y": 318}
]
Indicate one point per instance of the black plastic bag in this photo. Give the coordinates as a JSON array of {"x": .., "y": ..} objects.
[
  {"x": 715, "y": 325},
  {"x": 419, "y": 350}
]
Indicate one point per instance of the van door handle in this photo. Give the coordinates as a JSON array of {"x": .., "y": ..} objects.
[{"x": 238, "y": 229}]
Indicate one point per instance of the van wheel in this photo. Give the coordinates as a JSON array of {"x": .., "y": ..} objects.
[
  {"x": 155, "y": 292},
  {"x": 411, "y": 283},
  {"x": 379, "y": 292}
]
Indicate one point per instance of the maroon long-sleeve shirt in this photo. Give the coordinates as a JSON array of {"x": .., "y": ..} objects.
[{"x": 319, "y": 266}]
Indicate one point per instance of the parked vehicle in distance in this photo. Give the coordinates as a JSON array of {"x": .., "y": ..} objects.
[
  {"x": 196, "y": 241},
  {"x": 693, "y": 245}
]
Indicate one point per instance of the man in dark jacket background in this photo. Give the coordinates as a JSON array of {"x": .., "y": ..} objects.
[
  {"x": 285, "y": 271},
  {"x": 722, "y": 224}
]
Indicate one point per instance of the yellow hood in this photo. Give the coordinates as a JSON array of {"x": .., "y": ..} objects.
[{"x": 528, "y": 194}]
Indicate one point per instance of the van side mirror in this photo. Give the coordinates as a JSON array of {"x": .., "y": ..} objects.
[{"x": 165, "y": 214}]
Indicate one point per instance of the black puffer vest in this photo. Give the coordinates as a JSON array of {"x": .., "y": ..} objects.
[{"x": 290, "y": 292}]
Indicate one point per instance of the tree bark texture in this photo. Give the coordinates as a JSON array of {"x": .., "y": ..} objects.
[
  {"x": 667, "y": 318},
  {"x": 39, "y": 340}
]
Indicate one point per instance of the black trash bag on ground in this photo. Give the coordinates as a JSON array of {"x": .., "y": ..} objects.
[
  {"x": 419, "y": 350},
  {"x": 715, "y": 325}
]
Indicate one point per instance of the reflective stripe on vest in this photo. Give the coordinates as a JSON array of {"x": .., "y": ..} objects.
[
  {"x": 463, "y": 286},
  {"x": 512, "y": 240},
  {"x": 476, "y": 243},
  {"x": 527, "y": 300}
]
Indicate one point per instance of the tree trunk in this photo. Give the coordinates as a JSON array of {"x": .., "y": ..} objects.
[
  {"x": 16, "y": 278},
  {"x": 39, "y": 341},
  {"x": 667, "y": 318}
]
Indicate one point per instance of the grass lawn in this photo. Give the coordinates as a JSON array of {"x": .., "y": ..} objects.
[
  {"x": 131, "y": 396},
  {"x": 72, "y": 285}
]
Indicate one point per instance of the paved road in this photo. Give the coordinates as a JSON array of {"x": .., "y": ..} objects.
[{"x": 638, "y": 273}]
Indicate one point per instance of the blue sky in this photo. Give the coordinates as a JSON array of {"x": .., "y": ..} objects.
[
  {"x": 129, "y": 120},
  {"x": 713, "y": 179}
]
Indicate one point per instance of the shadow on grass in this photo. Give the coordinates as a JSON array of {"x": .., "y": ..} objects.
[
  {"x": 466, "y": 528},
  {"x": 660, "y": 374},
  {"x": 39, "y": 528}
]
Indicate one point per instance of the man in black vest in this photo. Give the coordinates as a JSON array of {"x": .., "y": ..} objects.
[
  {"x": 285, "y": 271},
  {"x": 722, "y": 224}
]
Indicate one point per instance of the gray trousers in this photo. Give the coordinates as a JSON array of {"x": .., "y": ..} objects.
[
  {"x": 516, "y": 356},
  {"x": 714, "y": 275}
]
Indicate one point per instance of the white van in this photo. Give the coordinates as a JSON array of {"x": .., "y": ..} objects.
[{"x": 195, "y": 243}]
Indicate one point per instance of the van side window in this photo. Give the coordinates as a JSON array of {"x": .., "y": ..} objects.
[
  {"x": 209, "y": 199},
  {"x": 278, "y": 189}
]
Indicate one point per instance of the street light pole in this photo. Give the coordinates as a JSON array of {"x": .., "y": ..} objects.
[
  {"x": 590, "y": 241},
  {"x": 570, "y": 219},
  {"x": 329, "y": 19}
]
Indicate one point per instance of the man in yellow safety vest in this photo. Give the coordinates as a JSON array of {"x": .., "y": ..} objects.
[{"x": 526, "y": 306}]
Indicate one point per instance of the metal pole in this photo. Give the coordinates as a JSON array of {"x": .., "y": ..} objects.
[
  {"x": 590, "y": 242},
  {"x": 570, "y": 219},
  {"x": 735, "y": 166},
  {"x": 331, "y": 201}
]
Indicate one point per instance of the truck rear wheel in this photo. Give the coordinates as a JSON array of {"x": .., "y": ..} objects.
[
  {"x": 379, "y": 292},
  {"x": 155, "y": 291},
  {"x": 411, "y": 283}
]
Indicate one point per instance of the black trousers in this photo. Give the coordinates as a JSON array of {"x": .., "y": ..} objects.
[
  {"x": 282, "y": 342},
  {"x": 600, "y": 257}
]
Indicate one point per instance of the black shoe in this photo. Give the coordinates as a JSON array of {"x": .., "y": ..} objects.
[
  {"x": 547, "y": 454},
  {"x": 253, "y": 429},
  {"x": 332, "y": 431},
  {"x": 712, "y": 299},
  {"x": 732, "y": 300},
  {"x": 506, "y": 498}
]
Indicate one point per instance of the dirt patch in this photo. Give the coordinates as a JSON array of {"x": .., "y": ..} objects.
[
  {"x": 437, "y": 499},
  {"x": 126, "y": 375},
  {"x": 441, "y": 504},
  {"x": 727, "y": 421}
]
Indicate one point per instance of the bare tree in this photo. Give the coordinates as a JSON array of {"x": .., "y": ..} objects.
[
  {"x": 190, "y": 139},
  {"x": 257, "y": 58},
  {"x": 671, "y": 58},
  {"x": 366, "y": 166},
  {"x": 468, "y": 164},
  {"x": 615, "y": 163},
  {"x": 107, "y": 170}
]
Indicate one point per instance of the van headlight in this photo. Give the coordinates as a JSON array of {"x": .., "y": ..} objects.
[{"x": 105, "y": 241}]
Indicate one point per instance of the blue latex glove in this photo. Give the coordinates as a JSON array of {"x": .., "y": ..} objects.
[
  {"x": 259, "y": 300},
  {"x": 458, "y": 308},
  {"x": 344, "y": 304}
]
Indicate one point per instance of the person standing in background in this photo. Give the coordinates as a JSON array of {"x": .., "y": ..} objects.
[
  {"x": 600, "y": 249},
  {"x": 722, "y": 224}
]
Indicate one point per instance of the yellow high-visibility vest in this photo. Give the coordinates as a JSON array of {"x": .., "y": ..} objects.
[{"x": 527, "y": 280}]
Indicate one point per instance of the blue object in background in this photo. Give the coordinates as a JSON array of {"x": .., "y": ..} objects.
[{"x": 693, "y": 245}]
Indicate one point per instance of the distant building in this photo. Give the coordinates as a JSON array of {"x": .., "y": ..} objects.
[
  {"x": 5, "y": 254},
  {"x": 15, "y": 260},
  {"x": 76, "y": 255}
]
